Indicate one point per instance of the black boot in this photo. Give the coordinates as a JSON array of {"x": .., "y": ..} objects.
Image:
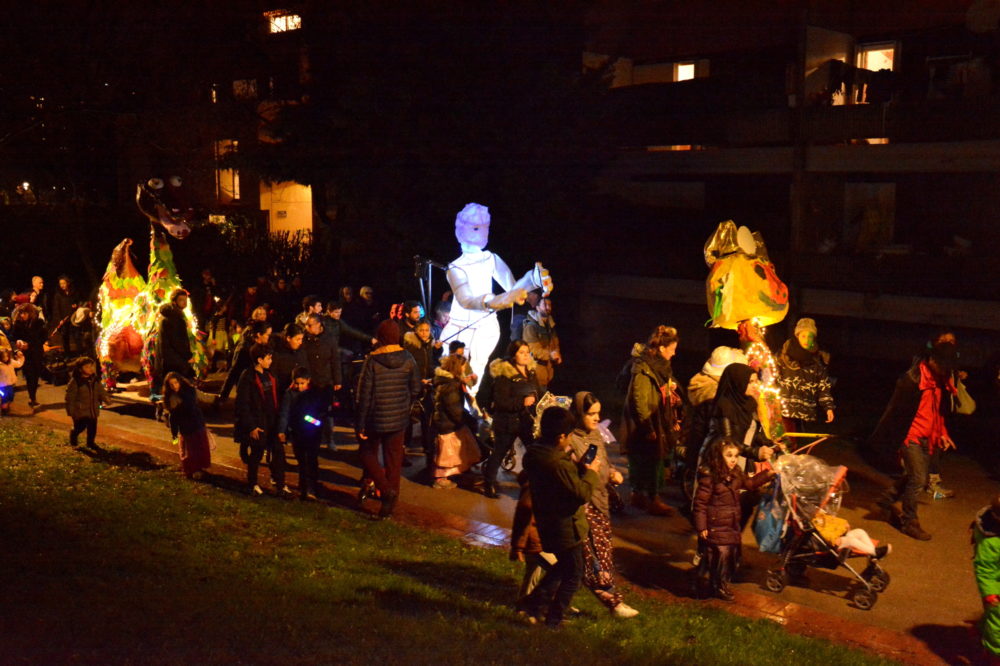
[
  {"x": 388, "y": 504},
  {"x": 490, "y": 490}
]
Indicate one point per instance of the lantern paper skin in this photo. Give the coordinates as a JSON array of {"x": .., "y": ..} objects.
[
  {"x": 471, "y": 279},
  {"x": 741, "y": 285},
  {"x": 130, "y": 307}
]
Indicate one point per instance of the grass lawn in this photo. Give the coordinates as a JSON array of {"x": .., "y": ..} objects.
[{"x": 112, "y": 558}]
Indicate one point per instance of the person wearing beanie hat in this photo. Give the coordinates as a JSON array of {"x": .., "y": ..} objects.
[
  {"x": 388, "y": 384},
  {"x": 914, "y": 421},
  {"x": 803, "y": 378},
  {"x": 701, "y": 392}
]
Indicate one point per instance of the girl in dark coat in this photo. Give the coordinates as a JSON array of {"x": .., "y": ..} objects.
[
  {"x": 187, "y": 424},
  {"x": 456, "y": 449},
  {"x": 717, "y": 511},
  {"x": 515, "y": 391},
  {"x": 388, "y": 384}
]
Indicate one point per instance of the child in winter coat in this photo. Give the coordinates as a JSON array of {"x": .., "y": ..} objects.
[
  {"x": 986, "y": 565},
  {"x": 187, "y": 424},
  {"x": 303, "y": 410},
  {"x": 717, "y": 511},
  {"x": 10, "y": 361},
  {"x": 526, "y": 546},
  {"x": 84, "y": 395}
]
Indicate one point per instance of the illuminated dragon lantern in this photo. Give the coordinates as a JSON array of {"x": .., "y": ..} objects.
[
  {"x": 744, "y": 293},
  {"x": 130, "y": 304}
]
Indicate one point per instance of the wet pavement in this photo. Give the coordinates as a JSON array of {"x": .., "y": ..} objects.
[{"x": 925, "y": 616}]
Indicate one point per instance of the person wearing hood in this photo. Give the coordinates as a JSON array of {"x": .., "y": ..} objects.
[
  {"x": 388, "y": 384},
  {"x": 649, "y": 424},
  {"x": 174, "y": 348},
  {"x": 986, "y": 565},
  {"x": 803, "y": 378},
  {"x": 735, "y": 413},
  {"x": 735, "y": 418},
  {"x": 701, "y": 397},
  {"x": 456, "y": 446},
  {"x": 515, "y": 391},
  {"x": 599, "y": 565},
  {"x": 914, "y": 421}
]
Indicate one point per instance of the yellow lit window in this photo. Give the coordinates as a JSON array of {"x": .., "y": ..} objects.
[
  {"x": 281, "y": 20},
  {"x": 227, "y": 181},
  {"x": 876, "y": 56},
  {"x": 684, "y": 71}
]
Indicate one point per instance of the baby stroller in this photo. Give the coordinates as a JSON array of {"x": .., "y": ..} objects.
[{"x": 809, "y": 493}]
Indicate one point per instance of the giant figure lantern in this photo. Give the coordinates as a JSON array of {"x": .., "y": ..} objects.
[
  {"x": 744, "y": 293},
  {"x": 474, "y": 305},
  {"x": 129, "y": 304}
]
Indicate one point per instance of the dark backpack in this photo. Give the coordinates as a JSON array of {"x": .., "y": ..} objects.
[{"x": 624, "y": 377}]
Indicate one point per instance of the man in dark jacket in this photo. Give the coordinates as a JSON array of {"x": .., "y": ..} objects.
[
  {"x": 173, "y": 343},
  {"x": 560, "y": 490},
  {"x": 914, "y": 421},
  {"x": 388, "y": 384},
  {"x": 322, "y": 352},
  {"x": 256, "y": 427}
]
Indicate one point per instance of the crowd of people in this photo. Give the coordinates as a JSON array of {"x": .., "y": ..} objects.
[{"x": 295, "y": 362}]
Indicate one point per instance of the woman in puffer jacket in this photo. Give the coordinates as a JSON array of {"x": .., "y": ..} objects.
[
  {"x": 515, "y": 391},
  {"x": 388, "y": 384}
]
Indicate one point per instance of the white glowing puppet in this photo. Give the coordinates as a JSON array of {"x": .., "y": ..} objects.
[{"x": 474, "y": 306}]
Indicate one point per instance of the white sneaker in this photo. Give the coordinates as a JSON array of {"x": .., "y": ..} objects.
[
  {"x": 623, "y": 610},
  {"x": 256, "y": 491}
]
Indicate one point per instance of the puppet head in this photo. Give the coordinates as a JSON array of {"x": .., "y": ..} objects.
[
  {"x": 472, "y": 226},
  {"x": 164, "y": 203}
]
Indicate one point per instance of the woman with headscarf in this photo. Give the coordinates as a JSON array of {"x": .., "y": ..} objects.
[
  {"x": 734, "y": 413},
  {"x": 388, "y": 384},
  {"x": 649, "y": 426},
  {"x": 599, "y": 566},
  {"x": 735, "y": 419}
]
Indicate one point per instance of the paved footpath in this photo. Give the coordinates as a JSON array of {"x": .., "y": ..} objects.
[{"x": 924, "y": 617}]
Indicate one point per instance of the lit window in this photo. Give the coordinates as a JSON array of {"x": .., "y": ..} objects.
[
  {"x": 281, "y": 20},
  {"x": 684, "y": 71},
  {"x": 227, "y": 181},
  {"x": 245, "y": 89},
  {"x": 215, "y": 93},
  {"x": 876, "y": 56}
]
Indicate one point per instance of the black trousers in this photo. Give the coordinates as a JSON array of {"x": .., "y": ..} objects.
[
  {"x": 722, "y": 563},
  {"x": 79, "y": 425},
  {"x": 502, "y": 443},
  {"x": 559, "y": 585},
  {"x": 268, "y": 442},
  {"x": 306, "y": 451}
]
